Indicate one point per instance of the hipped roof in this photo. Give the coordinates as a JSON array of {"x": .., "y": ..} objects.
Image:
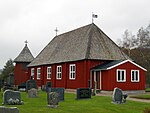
[
  {"x": 25, "y": 55},
  {"x": 87, "y": 42}
]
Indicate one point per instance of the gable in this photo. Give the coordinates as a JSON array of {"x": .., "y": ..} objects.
[{"x": 113, "y": 64}]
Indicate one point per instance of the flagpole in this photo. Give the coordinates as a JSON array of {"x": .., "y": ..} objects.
[{"x": 92, "y": 18}]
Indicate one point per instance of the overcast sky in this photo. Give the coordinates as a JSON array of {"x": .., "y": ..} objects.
[{"x": 35, "y": 21}]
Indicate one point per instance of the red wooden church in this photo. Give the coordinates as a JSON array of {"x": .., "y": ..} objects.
[{"x": 78, "y": 58}]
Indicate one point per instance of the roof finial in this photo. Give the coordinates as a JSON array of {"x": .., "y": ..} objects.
[
  {"x": 56, "y": 30},
  {"x": 94, "y": 16},
  {"x": 26, "y": 42}
]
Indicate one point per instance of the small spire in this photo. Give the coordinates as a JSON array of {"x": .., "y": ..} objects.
[
  {"x": 56, "y": 30},
  {"x": 26, "y": 42}
]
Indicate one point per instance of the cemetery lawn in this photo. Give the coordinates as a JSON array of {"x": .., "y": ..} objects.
[{"x": 98, "y": 104}]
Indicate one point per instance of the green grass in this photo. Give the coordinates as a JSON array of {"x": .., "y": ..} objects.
[
  {"x": 98, "y": 104},
  {"x": 142, "y": 96},
  {"x": 147, "y": 90}
]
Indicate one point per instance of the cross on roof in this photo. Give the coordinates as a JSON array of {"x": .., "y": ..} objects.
[{"x": 56, "y": 30}]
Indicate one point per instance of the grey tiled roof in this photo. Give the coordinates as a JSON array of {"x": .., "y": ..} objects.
[
  {"x": 24, "y": 56},
  {"x": 87, "y": 42}
]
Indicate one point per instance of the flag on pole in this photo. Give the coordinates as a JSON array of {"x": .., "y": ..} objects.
[{"x": 94, "y": 16}]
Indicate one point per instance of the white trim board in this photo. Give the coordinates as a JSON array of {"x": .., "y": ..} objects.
[{"x": 125, "y": 62}]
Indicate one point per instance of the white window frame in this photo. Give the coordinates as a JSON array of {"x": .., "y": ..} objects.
[
  {"x": 133, "y": 77},
  {"x": 49, "y": 72},
  {"x": 121, "y": 76},
  {"x": 72, "y": 71},
  {"x": 38, "y": 73},
  {"x": 32, "y": 73},
  {"x": 59, "y": 72}
]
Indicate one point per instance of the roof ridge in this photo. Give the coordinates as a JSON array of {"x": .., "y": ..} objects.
[{"x": 89, "y": 41}]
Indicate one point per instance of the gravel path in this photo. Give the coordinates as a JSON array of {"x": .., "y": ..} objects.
[
  {"x": 110, "y": 95},
  {"x": 139, "y": 100},
  {"x": 128, "y": 98}
]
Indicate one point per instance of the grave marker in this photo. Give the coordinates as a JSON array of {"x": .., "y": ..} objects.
[
  {"x": 117, "y": 96},
  {"x": 32, "y": 93},
  {"x": 60, "y": 92},
  {"x": 4, "y": 109},
  {"x": 53, "y": 99},
  {"x": 31, "y": 84},
  {"x": 48, "y": 86},
  {"x": 12, "y": 97},
  {"x": 84, "y": 93}
]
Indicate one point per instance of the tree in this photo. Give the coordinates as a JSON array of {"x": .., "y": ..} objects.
[
  {"x": 143, "y": 37},
  {"x": 8, "y": 69},
  {"x": 128, "y": 41}
]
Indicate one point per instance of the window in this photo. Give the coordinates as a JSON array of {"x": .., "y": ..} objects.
[
  {"x": 38, "y": 73},
  {"x": 121, "y": 75},
  {"x": 135, "y": 76},
  {"x": 59, "y": 73},
  {"x": 49, "y": 71},
  {"x": 72, "y": 71},
  {"x": 32, "y": 73}
]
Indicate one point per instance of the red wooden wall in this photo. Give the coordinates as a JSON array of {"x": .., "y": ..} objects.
[
  {"x": 109, "y": 80},
  {"x": 20, "y": 73},
  {"x": 82, "y": 74}
]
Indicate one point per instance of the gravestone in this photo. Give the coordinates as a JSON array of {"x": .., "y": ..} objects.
[
  {"x": 48, "y": 86},
  {"x": 31, "y": 84},
  {"x": 117, "y": 96},
  {"x": 22, "y": 86},
  {"x": 84, "y": 93},
  {"x": 10, "y": 79},
  {"x": 12, "y": 97},
  {"x": 53, "y": 99},
  {"x": 32, "y": 93},
  {"x": 4, "y": 109},
  {"x": 60, "y": 92}
]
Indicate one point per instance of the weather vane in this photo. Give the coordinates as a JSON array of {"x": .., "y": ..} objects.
[
  {"x": 94, "y": 16},
  {"x": 56, "y": 30},
  {"x": 26, "y": 42}
]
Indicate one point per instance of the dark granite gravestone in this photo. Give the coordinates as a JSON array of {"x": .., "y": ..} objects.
[
  {"x": 4, "y": 109},
  {"x": 12, "y": 97},
  {"x": 53, "y": 99},
  {"x": 117, "y": 96},
  {"x": 32, "y": 93},
  {"x": 31, "y": 84},
  {"x": 60, "y": 92},
  {"x": 84, "y": 93},
  {"x": 22, "y": 86},
  {"x": 48, "y": 86}
]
